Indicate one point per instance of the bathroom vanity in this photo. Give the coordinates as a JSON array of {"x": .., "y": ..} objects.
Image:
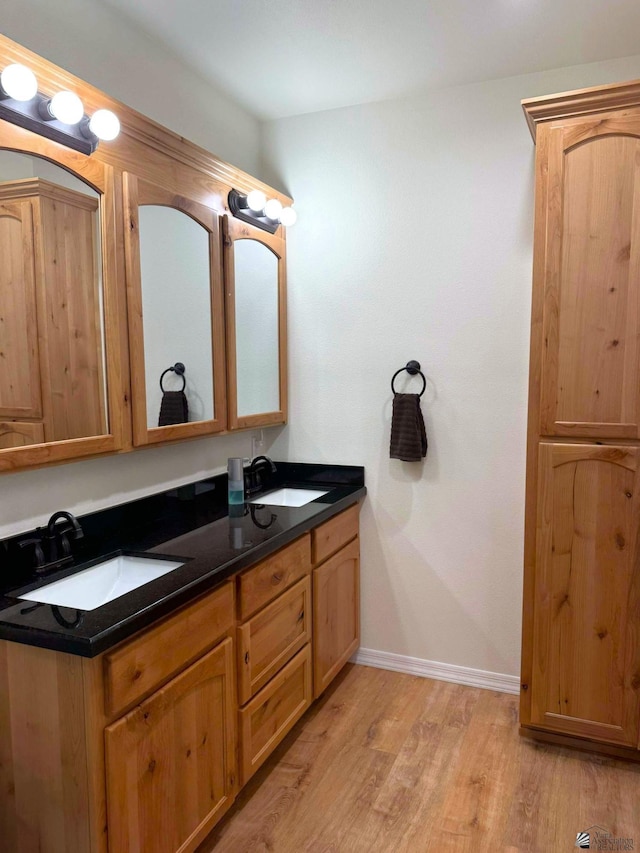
[{"x": 132, "y": 726}]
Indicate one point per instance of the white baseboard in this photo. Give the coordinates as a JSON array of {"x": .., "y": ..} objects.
[{"x": 440, "y": 671}]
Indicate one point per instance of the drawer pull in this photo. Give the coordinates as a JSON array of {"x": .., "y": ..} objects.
[
  {"x": 277, "y": 577},
  {"x": 301, "y": 616},
  {"x": 246, "y": 658}
]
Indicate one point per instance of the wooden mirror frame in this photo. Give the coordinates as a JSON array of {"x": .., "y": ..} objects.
[
  {"x": 161, "y": 156},
  {"x": 137, "y": 193},
  {"x": 100, "y": 176},
  {"x": 234, "y": 230}
]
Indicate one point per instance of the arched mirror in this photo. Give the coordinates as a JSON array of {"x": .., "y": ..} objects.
[
  {"x": 176, "y": 326},
  {"x": 56, "y": 304},
  {"x": 256, "y": 325}
]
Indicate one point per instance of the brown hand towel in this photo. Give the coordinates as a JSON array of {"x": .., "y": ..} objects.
[
  {"x": 408, "y": 435},
  {"x": 173, "y": 408}
]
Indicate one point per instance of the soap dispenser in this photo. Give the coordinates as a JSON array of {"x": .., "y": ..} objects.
[{"x": 235, "y": 472}]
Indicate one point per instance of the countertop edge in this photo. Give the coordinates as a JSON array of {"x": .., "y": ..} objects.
[{"x": 90, "y": 648}]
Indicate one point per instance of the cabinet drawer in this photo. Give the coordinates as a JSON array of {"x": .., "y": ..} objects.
[
  {"x": 274, "y": 711},
  {"x": 264, "y": 582},
  {"x": 140, "y": 665},
  {"x": 333, "y": 534},
  {"x": 272, "y": 637}
]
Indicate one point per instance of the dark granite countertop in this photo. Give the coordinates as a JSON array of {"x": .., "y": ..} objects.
[{"x": 190, "y": 523}]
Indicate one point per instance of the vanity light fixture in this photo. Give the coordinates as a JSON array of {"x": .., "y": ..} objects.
[
  {"x": 257, "y": 210},
  {"x": 60, "y": 118}
]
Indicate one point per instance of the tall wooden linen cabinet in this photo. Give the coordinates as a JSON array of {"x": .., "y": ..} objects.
[{"x": 581, "y": 621}]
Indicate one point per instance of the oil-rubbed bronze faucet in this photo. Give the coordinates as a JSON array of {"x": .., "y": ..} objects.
[
  {"x": 52, "y": 548},
  {"x": 254, "y": 473},
  {"x": 57, "y": 535}
]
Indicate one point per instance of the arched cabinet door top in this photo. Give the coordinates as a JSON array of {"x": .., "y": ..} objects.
[{"x": 567, "y": 454}]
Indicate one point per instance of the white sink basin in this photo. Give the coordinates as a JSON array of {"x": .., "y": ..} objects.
[
  {"x": 289, "y": 497},
  {"x": 93, "y": 587}
]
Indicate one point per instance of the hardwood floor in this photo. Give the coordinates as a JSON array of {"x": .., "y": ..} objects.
[{"x": 391, "y": 762}]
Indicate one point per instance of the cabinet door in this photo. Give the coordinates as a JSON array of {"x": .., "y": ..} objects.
[
  {"x": 586, "y": 660},
  {"x": 19, "y": 375},
  {"x": 591, "y": 320},
  {"x": 336, "y": 614},
  {"x": 171, "y": 761}
]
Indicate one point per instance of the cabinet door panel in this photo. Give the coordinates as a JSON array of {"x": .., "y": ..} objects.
[
  {"x": 336, "y": 614},
  {"x": 591, "y": 356},
  {"x": 171, "y": 761},
  {"x": 19, "y": 376},
  {"x": 586, "y": 667}
]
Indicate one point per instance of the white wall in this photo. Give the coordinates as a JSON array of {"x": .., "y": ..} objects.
[
  {"x": 414, "y": 241},
  {"x": 90, "y": 39}
]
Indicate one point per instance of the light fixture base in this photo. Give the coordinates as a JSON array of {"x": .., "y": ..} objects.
[
  {"x": 27, "y": 114},
  {"x": 239, "y": 208}
]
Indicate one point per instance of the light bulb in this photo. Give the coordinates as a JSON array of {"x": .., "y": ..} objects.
[
  {"x": 288, "y": 216},
  {"x": 273, "y": 208},
  {"x": 19, "y": 82},
  {"x": 256, "y": 201},
  {"x": 66, "y": 107},
  {"x": 105, "y": 125}
]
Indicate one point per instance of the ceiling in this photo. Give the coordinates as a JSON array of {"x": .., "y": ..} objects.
[{"x": 285, "y": 57}]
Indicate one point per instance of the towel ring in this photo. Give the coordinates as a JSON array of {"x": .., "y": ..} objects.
[
  {"x": 179, "y": 369},
  {"x": 412, "y": 368}
]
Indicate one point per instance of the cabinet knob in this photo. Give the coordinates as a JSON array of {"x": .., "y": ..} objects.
[{"x": 246, "y": 658}]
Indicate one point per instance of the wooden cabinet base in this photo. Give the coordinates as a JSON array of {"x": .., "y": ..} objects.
[
  {"x": 136, "y": 750},
  {"x": 579, "y": 743}
]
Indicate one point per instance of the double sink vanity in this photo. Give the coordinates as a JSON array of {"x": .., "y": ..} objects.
[
  {"x": 131, "y": 717},
  {"x": 152, "y": 655}
]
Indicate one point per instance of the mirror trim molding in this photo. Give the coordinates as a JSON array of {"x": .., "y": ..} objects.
[
  {"x": 137, "y": 193},
  {"x": 234, "y": 230},
  {"x": 100, "y": 176}
]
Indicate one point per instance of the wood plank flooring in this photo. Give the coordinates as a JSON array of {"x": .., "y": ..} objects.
[{"x": 390, "y": 762}]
